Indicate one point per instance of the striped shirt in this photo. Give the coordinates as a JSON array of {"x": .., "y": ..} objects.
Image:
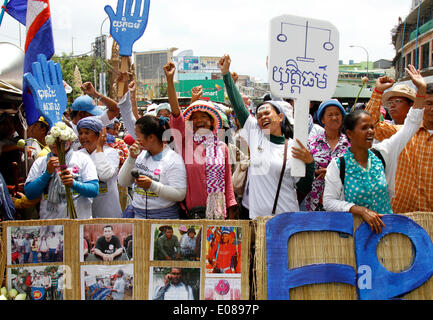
[{"x": 414, "y": 177}]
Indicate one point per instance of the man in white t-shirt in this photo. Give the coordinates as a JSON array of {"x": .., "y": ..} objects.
[
  {"x": 174, "y": 288},
  {"x": 53, "y": 246}
]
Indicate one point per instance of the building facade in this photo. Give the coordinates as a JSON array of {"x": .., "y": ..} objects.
[
  {"x": 413, "y": 41},
  {"x": 149, "y": 71}
]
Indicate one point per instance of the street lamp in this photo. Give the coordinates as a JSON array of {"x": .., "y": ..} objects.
[
  {"x": 352, "y": 46},
  {"x": 101, "y": 73}
]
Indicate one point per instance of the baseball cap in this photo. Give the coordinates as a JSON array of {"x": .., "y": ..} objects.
[{"x": 86, "y": 103}]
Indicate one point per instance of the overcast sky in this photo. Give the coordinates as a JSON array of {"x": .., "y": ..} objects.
[{"x": 237, "y": 27}]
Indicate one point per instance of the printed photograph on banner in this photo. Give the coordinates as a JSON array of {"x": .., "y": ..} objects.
[
  {"x": 217, "y": 288},
  {"x": 174, "y": 283},
  {"x": 223, "y": 249},
  {"x": 35, "y": 244},
  {"x": 39, "y": 282},
  {"x": 106, "y": 242},
  {"x": 107, "y": 282},
  {"x": 180, "y": 242}
]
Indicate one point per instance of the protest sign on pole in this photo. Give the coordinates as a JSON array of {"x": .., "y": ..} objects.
[
  {"x": 126, "y": 28},
  {"x": 46, "y": 85},
  {"x": 302, "y": 65}
]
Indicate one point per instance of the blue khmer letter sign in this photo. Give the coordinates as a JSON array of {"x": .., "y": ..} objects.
[
  {"x": 278, "y": 233},
  {"x": 46, "y": 85},
  {"x": 383, "y": 284},
  {"x": 386, "y": 284},
  {"x": 128, "y": 27}
]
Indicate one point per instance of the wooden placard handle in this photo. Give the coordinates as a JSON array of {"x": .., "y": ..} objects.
[{"x": 123, "y": 68}]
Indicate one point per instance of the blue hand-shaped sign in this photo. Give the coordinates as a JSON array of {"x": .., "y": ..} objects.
[
  {"x": 46, "y": 84},
  {"x": 126, "y": 28}
]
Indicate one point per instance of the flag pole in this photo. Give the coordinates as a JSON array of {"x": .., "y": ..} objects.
[{"x": 2, "y": 12}]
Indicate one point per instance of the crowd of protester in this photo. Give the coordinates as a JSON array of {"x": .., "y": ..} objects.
[{"x": 225, "y": 160}]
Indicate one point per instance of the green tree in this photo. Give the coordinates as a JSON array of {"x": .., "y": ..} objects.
[{"x": 86, "y": 64}]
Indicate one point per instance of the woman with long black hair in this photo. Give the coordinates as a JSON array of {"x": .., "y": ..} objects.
[
  {"x": 156, "y": 172},
  {"x": 270, "y": 138}
]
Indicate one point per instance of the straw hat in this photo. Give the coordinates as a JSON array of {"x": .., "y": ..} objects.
[
  {"x": 400, "y": 90},
  {"x": 209, "y": 108}
]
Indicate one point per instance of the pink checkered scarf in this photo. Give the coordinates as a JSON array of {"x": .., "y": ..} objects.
[{"x": 215, "y": 176}]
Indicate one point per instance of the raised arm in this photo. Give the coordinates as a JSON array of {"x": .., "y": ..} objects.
[
  {"x": 113, "y": 110},
  {"x": 196, "y": 93},
  {"x": 132, "y": 87},
  {"x": 169, "y": 70},
  {"x": 373, "y": 105},
  {"x": 235, "y": 97},
  {"x": 420, "y": 84},
  {"x": 391, "y": 148},
  {"x": 384, "y": 129}
]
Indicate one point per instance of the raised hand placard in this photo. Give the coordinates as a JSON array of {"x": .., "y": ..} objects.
[
  {"x": 46, "y": 85},
  {"x": 126, "y": 27},
  {"x": 303, "y": 65}
]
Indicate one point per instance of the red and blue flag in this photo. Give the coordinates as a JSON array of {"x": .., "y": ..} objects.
[{"x": 36, "y": 16}]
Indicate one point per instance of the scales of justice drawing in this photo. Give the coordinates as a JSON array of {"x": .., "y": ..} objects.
[
  {"x": 302, "y": 65},
  {"x": 303, "y": 57}
]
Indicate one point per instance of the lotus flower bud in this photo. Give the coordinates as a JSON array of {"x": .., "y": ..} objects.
[
  {"x": 61, "y": 125},
  {"x": 364, "y": 80},
  {"x": 64, "y": 135},
  {"x": 21, "y": 143},
  {"x": 4, "y": 291},
  {"x": 55, "y": 132},
  {"x": 13, "y": 293},
  {"x": 21, "y": 296},
  {"x": 50, "y": 140}
]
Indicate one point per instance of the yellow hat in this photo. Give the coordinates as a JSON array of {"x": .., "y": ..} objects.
[{"x": 41, "y": 119}]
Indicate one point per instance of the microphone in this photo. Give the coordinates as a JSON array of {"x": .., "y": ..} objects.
[{"x": 136, "y": 174}]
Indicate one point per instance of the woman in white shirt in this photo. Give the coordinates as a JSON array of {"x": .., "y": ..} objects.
[
  {"x": 267, "y": 135},
  {"x": 47, "y": 179},
  {"x": 368, "y": 183},
  {"x": 92, "y": 136},
  {"x": 159, "y": 180}
]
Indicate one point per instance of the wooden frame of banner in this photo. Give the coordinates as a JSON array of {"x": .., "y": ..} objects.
[{"x": 141, "y": 252}]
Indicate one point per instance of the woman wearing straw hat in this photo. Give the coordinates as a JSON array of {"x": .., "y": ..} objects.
[
  {"x": 366, "y": 185},
  {"x": 156, "y": 173},
  {"x": 269, "y": 136},
  {"x": 324, "y": 147},
  {"x": 92, "y": 137},
  {"x": 206, "y": 159}
]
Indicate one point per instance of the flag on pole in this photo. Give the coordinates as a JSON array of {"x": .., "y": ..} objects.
[
  {"x": 17, "y": 9},
  {"x": 39, "y": 39}
]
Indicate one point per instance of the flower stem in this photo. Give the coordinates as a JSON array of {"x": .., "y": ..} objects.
[
  {"x": 356, "y": 100},
  {"x": 62, "y": 161}
]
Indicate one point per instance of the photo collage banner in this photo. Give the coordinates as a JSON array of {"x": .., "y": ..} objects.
[{"x": 127, "y": 259}]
